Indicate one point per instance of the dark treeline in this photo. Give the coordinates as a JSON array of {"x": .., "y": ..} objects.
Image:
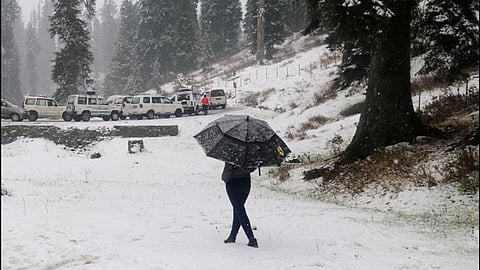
[{"x": 142, "y": 44}]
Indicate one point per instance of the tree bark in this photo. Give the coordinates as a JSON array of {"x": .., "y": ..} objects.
[
  {"x": 261, "y": 32},
  {"x": 388, "y": 116}
]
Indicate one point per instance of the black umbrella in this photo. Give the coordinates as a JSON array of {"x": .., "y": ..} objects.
[{"x": 243, "y": 141}]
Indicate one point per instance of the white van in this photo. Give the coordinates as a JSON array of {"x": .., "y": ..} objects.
[
  {"x": 217, "y": 98},
  {"x": 152, "y": 105}
]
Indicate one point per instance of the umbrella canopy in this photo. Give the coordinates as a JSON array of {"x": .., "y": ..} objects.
[{"x": 243, "y": 141}]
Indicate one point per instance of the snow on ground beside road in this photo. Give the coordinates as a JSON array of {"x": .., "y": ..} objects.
[{"x": 166, "y": 208}]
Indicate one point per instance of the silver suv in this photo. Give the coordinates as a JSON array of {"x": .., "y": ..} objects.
[
  {"x": 42, "y": 107},
  {"x": 81, "y": 107}
]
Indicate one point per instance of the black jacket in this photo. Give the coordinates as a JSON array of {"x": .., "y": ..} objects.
[{"x": 234, "y": 172}]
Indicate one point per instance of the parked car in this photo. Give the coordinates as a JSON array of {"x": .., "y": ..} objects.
[
  {"x": 217, "y": 98},
  {"x": 42, "y": 107},
  {"x": 190, "y": 101},
  {"x": 13, "y": 112},
  {"x": 152, "y": 105},
  {"x": 81, "y": 107},
  {"x": 121, "y": 104}
]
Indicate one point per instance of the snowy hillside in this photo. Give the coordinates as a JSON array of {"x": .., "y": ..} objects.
[{"x": 166, "y": 208}]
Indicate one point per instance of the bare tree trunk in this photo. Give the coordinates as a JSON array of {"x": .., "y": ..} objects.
[
  {"x": 261, "y": 32},
  {"x": 388, "y": 116}
]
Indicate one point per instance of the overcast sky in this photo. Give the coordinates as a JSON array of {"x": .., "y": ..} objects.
[{"x": 28, "y": 5}]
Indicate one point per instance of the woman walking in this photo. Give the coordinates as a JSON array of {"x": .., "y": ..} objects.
[{"x": 237, "y": 183}]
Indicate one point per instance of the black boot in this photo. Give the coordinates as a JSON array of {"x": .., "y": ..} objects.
[
  {"x": 230, "y": 239},
  {"x": 252, "y": 243}
]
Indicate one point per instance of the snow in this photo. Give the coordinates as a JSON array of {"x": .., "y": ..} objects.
[{"x": 166, "y": 207}]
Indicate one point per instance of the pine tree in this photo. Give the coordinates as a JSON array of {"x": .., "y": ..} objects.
[
  {"x": 123, "y": 69},
  {"x": 94, "y": 28},
  {"x": 276, "y": 12},
  {"x": 32, "y": 46},
  {"x": 388, "y": 116},
  {"x": 105, "y": 34},
  {"x": 186, "y": 36},
  {"x": 166, "y": 40},
  {"x": 206, "y": 54},
  {"x": 351, "y": 26},
  {"x": 10, "y": 58},
  {"x": 45, "y": 55},
  {"x": 155, "y": 43},
  {"x": 19, "y": 39},
  {"x": 72, "y": 63},
  {"x": 447, "y": 33},
  {"x": 220, "y": 24},
  {"x": 296, "y": 19}
]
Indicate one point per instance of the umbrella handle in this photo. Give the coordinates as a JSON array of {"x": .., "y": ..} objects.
[{"x": 259, "y": 164}]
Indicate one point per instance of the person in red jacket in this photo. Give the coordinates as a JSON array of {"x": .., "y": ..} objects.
[{"x": 205, "y": 104}]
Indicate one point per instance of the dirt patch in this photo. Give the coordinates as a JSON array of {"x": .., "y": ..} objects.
[{"x": 74, "y": 138}]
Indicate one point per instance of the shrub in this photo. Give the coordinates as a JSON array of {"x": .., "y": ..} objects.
[
  {"x": 281, "y": 173},
  {"x": 313, "y": 122},
  {"x": 464, "y": 169},
  {"x": 447, "y": 106},
  {"x": 323, "y": 96},
  {"x": 353, "y": 109},
  {"x": 424, "y": 84}
]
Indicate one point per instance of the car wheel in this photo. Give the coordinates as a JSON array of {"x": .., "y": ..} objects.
[
  {"x": 86, "y": 116},
  {"x": 32, "y": 116},
  {"x": 15, "y": 117},
  {"x": 150, "y": 114},
  {"x": 77, "y": 118},
  {"x": 66, "y": 117},
  {"x": 178, "y": 113},
  {"x": 114, "y": 116}
]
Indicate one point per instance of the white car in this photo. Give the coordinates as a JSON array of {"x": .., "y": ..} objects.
[
  {"x": 190, "y": 101},
  {"x": 42, "y": 107},
  {"x": 152, "y": 105},
  {"x": 121, "y": 104},
  {"x": 81, "y": 107}
]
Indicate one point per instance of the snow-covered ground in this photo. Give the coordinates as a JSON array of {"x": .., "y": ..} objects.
[{"x": 166, "y": 208}]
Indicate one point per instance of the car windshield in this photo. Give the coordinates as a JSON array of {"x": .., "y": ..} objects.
[
  {"x": 7, "y": 103},
  {"x": 183, "y": 97},
  {"x": 217, "y": 93}
]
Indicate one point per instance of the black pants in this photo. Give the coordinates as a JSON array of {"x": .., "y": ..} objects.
[
  {"x": 205, "y": 109},
  {"x": 238, "y": 190}
]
